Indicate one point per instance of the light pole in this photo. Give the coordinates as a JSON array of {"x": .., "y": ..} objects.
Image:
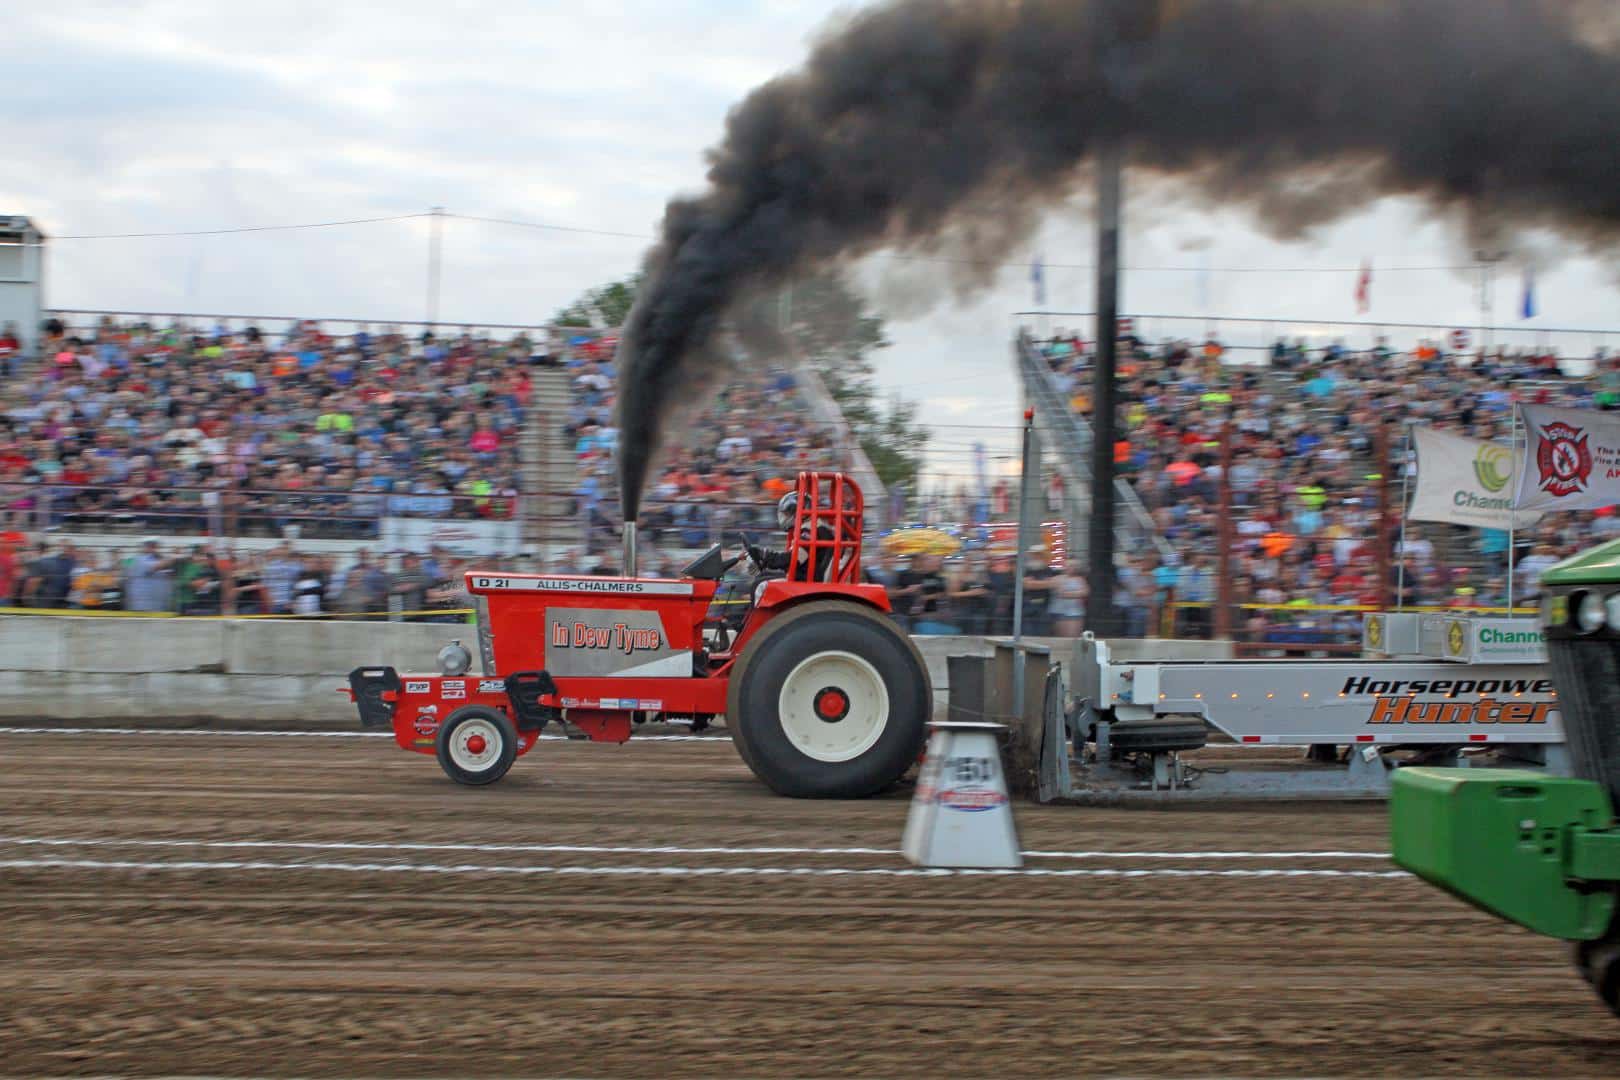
[
  {"x": 1100, "y": 547},
  {"x": 1487, "y": 260},
  {"x": 435, "y": 243}
]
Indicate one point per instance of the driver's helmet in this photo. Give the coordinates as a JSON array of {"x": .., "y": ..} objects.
[{"x": 787, "y": 510}]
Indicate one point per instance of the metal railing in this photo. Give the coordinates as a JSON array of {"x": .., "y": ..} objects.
[
  {"x": 86, "y": 319},
  {"x": 335, "y": 514},
  {"x": 1249, "y": 340},
  {"x": 1134, "y": 527}
]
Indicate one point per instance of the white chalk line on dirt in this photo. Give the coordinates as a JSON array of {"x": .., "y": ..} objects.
[
  {"x": 676, "y": 871},
  {"x": 305, "y": 734},
  {"x": 603, "y": 849}
]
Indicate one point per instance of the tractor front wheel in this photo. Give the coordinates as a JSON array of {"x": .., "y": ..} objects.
[
  {"x": 476, "y": 745},
  {"x": 830, "y": 700}
]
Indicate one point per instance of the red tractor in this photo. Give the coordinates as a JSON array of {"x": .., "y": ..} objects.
[{"x": 823, "y": 694}]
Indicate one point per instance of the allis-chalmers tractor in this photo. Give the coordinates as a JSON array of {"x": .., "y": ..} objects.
[
  {"x": 824, "y": 696},
  {"x": 1542, "y": 851}
]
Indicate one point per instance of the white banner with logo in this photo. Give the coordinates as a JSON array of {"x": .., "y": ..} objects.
[
  {"x": 1465, "y": 482},
  {"x": 1571, "y": 459},
  {"x": 465, "y": 537}
]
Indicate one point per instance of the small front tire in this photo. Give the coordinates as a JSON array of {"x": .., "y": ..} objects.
[{"x": 476, "y": 745}]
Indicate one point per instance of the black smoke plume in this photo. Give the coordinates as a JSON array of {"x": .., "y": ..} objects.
[{"x": 918, "y": 118}]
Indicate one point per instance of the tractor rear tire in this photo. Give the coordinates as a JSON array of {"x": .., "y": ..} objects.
[
  {"x": 1599, "y": 964},
  {"x": 830, "y": 700},
  {"x": 476, "y": 745},
  {"x": 1603, "y": 972}
]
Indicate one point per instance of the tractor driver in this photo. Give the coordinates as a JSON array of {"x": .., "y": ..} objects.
[{"x": 787, "y": 509}]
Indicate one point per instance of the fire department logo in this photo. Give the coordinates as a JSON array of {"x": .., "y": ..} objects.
[{"x": 1564, "y": 459}]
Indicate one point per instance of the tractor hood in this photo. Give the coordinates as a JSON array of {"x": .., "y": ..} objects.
[{"x": 1595, "y": 566}]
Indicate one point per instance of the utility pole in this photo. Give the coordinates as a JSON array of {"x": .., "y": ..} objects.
[
  {"x": 1222, "y": 623},
  {"x": 1487, "y": 260},
  {"x": 1100, "y": 607},
  {"x": 1028, "y": 475},
  {"x": 435, "y": 243}
]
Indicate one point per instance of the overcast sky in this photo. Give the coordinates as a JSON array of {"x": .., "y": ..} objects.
[{"x": 137, "y": 117}]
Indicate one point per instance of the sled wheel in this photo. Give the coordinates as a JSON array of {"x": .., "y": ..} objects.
[
  {"x": 1158, "y": 736},
  {"x": 829, "y": 701},
  {"x": 476, "y": 745}
]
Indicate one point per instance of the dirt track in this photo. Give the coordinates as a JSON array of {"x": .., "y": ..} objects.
[{"x": 268, "y": 968}]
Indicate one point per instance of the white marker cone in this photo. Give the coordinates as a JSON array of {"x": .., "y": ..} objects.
[{"x": 960, "y": 814}]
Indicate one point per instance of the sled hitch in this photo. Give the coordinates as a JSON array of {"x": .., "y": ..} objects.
[
  {"x": 524, "y": 689},
  {"x": 374, "y": 691}
]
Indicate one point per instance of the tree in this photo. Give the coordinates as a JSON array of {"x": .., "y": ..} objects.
[
  {"x": 601, "y": 307},
  {"x": 834, "y": 333},
  {"x": 829, "y": 328}
]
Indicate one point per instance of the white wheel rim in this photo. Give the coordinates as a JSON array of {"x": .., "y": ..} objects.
[
  {"x": 833, "y": 740},
  {"x": 463, "y": 754}
]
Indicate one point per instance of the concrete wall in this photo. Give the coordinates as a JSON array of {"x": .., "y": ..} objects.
[
  {"x": 260, "y": 670},
  {"x": 284, "y": 672}
]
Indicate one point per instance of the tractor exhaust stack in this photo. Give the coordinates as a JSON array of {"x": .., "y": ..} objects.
[{"x": 629, "y": 549}]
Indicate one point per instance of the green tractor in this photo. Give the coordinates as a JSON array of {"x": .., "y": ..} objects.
[{"x": 1542, "y": 851}]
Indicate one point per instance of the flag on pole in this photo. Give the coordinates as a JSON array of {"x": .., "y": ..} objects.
[
  {"x": 1037, "y": 275},
  {"x": 1571, "y": 459},
  {"x": 1464, "y": 481},
  {"x": 1364, "y": 288},
  {"x": 1527, "y": 310}
]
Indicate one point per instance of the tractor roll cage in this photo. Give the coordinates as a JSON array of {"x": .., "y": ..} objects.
[{"x": 827, "y": 524}]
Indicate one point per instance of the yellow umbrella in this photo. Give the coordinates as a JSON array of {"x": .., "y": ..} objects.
[{"x": 921, "y": 541}]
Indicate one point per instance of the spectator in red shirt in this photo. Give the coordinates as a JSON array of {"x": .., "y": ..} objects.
[
  {"x": 10, "y": 349},
  {"x": 8, "y": 568},
  {"x": 485, "y": 440}
]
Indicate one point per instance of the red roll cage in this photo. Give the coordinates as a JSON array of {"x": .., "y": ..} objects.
[{"x": 829, "y": 520}]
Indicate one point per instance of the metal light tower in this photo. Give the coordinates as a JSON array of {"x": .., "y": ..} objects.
[
  {"x": 435, "y": 243},
  {"x": 1100, "y": 613}
]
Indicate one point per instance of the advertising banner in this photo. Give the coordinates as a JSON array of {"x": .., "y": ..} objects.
[
  {"x": 464, "y": 537},
  {"x": 1571, "y": 459},
  {"x": 1343, "y": 703},
  {"x": 1465, "y": 481}
]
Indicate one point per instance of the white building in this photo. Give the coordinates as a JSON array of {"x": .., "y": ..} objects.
[{"x": 22, "y": 278}]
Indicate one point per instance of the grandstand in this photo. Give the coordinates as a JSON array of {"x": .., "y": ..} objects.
[
  {"x": 288, "y": 448},
  {"x": 293, "y": 446},
  {"x": 1309, "y": 424}
]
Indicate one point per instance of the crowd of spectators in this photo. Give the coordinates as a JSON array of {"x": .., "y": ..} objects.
[
  {"x": 230, "y": 429},
  {"x": 237, "y": 431},
  {"x": 171, "y": 428},
  {"x": 977, "y": 593},
  {"x": 725, "y": 466},
  {"x": 1306, "y": 476},
  {"x": 201, "y": 579}
]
